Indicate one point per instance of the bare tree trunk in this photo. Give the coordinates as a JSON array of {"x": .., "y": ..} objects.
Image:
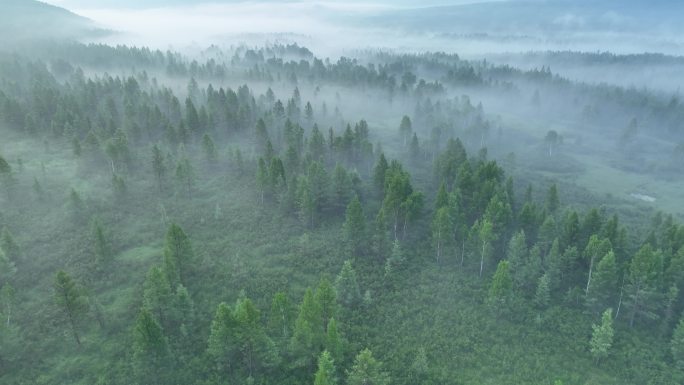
[
  {"x": 591, "y": 268},
  {"x": 482, "y": 258}
]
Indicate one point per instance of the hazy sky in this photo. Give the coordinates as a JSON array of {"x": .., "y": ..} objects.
[{"x": 332, "y": 26}]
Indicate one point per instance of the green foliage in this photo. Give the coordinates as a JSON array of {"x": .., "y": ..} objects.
[
  {"x": 543, "y": 294},
  {"x": 347, "y": 286},
  {"x": 71, "y": 301},
  {"x": 500, "y": 288},
  {"x": 366, "y": 370},
  {"x": 333, "y": 341},
  {"x": 308, "y": 332},
  {"x": 325, "y": 375},
  {"x": 442, "y": 232},
  {"x": 677, "y": 345},
  {"x": 179, "y": 257},
  {"x": 151, "y": 355},
  {"x": 602, "y": 336},
  {"x": 157, "y": 294},
  {"x": 355, "y": 228}
]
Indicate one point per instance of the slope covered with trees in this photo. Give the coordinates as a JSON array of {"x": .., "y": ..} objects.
[{"x": 261, "y": 215}]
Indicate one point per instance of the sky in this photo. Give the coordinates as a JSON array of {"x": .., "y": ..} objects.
[{"x": 333, "y": 27}]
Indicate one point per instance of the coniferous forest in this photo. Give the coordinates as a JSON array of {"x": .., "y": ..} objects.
[{"x": 261, "y": 214}]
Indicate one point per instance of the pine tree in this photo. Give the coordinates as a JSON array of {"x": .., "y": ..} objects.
[
  {"x": 602, "y": 336},
  {"x": 405, "y": 129},
  {"x": 414, "y": 149},
  {"x": 442, "y": 232},
  {"x": 183, "y": 313},
  {"x": 380, "y": 238},
  {"x": 355, "y": 228},
  {"x": 281, "y": 317},
  {"x": 604, "y": 284},
  {"x": 255, "y": 347},
  {"x": 71, "y": 300},
  {"x": 151, "y": 355},
  {"x": 102, "y": 249},
  {"x": 7, "y": 267},
  {"x": 308, "y": 332},
  {"x": 178, "y": 255},
  {"x": 158, "y": 166},
  {"x": 157, "y": 294},
  {"x": 6, "y": 178},
  {"x": 333, "y": 341},
  {"x": 552, "y": 201},
  {"x": 326, "y": 299},
  {"x": 9, "y": 245},
  {"x": 7, "y": 297},
  {"x": 677, "y": 345},
  {"x": 223, "y": 346},
  {"x": 347, "y": 286},
  {"x": 442, "y": 199},
  {"x": 594, "y": 250},
  {"x": 209, "y": 149},
  {"x": 379, "y": 174},
  {"x": 501, "y": 284},
  {"x": 643, "y": 273},
  {"x": 262, "y": 179},
  {"x": 543, "y": 294},
  {"x": 185, "y": 175},
  {"x": 366, "y": 370},
  {"x": 325, "y": 375}
]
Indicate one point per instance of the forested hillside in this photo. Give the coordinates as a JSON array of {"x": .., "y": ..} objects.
[{"x": 262, "y": 215}]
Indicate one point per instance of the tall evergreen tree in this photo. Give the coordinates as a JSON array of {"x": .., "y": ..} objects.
[
  {"x": 347, "y": 286},
  {"x": 604, "y": 284},
  {"x": 151, "y": 355},
  {"x": 325, "y": 375},
  {"x": 326, "y": 299},
  {"x": 602, "y": 336},
  {"x": 223, "y": 347},
  {"x": 308, "y": 332},
  {"x": 501, "y": 284},
  {"x": 178, "y": 255},
  {"x": 442, "y": 232},
  {"x": 157, "y": 294},
  {"x": 643, "y": 274},
  {"x": 366, "y": 370},
  {"x": 333, "y": 341},
  {"x": 355, "y": 228},
  {"x": 677, "y": 345},
  {"x": 158, "y": 166},
  {"x": 71, "y": 301}
]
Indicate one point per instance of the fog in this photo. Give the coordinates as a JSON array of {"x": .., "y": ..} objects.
[{"x": 202, "y": 191}]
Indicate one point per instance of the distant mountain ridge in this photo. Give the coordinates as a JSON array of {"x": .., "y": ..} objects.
[
  {"x": 530, "y": 16},
  {"x": 22, "y": 20}
]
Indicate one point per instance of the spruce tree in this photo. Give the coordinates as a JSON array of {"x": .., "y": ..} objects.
[
  {"x": 366, "y": 370},
  {"x": 325, "y": 375},
  {"x": 333, "y": 341},
  {"x": 179, "y": 257},
  {"x": 602, "y": 336},
  {"x": 326, "y": 299},
  {"x": 442, "y": 233},
  {"x": 151, "y": 355},
  {"x": 501, "y": 284},
  {"x": 677, "y": 345},
  {"x": 347, "y": 286},
  {"x": 222, "y": 347},
  {"x": 157, "y": 294},
  {"x": 355, "y": 228},
  {"x": 71, "y": 301}
]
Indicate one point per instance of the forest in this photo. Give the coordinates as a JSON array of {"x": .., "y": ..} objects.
[{"x": 260, "y": 214}]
